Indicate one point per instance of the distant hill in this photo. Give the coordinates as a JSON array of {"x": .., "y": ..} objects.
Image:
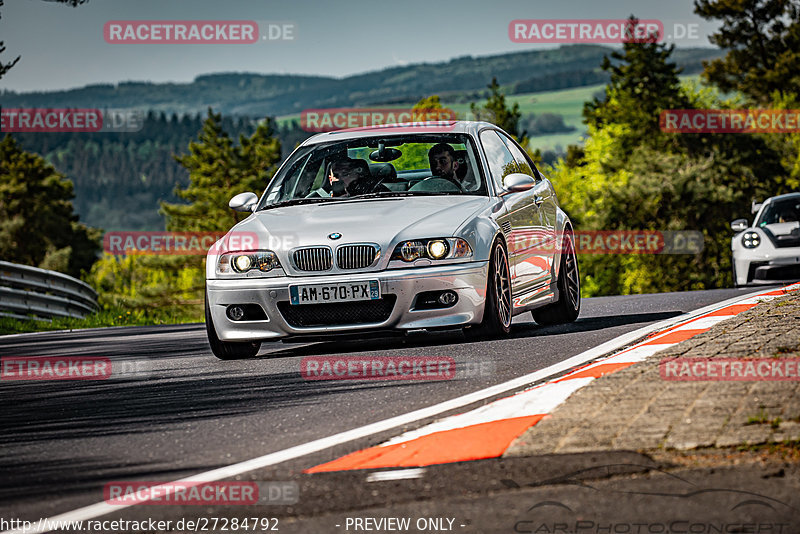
[{"x": 257, "y": 95}]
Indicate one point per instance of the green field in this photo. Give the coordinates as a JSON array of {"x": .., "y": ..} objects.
[{"x": 567, "y": 103}]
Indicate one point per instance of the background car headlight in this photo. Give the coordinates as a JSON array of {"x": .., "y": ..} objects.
[
  {"x": 241, "y": 262},
  {"x": 432, "y": 249},
  {"x": 751, "y": 239}
]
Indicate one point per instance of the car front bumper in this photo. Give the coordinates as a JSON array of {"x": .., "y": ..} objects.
[
  {"x": 777, "y": 266},
  {"x": 468, "y": 280}
]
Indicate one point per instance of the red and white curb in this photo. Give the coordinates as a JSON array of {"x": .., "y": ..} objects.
[{"x": 488, "y": 431}]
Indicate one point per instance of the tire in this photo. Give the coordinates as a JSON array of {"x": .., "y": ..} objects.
[
  {"x": 568, "y": 305},
  {"x": 225, "y": 350},
  {"x": 497, "y": 310}
]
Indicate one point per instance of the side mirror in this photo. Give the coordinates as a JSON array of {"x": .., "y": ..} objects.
[
  {"x": 755, "y": 206},
  {"x": 516, "y": 182},
  {"x": 243, "y": 202},
  {"x": 739, "y": 225}
]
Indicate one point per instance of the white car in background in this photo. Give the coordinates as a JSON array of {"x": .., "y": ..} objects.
[{"x": 768, "y": 252}]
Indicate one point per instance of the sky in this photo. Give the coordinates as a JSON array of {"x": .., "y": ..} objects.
[{"x": 63, "y": 47}]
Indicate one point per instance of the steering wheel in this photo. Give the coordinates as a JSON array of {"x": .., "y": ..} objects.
[{"x": 451, "y": 180}]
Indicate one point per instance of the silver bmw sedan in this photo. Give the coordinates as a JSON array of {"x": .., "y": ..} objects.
[{"x": 435, "y": 225}]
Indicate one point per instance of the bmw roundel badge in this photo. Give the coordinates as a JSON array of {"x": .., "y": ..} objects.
[{"x": 334, "y": 235}]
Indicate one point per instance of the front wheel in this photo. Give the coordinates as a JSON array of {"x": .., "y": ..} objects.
[
  {"x": 497, "y": 310},
  {"x": 568, "y": 305},
  {"x": 226, "y": 350}
]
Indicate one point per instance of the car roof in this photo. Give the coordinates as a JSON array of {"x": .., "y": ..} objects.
[
  {"x": 458, "y": 127},
  {"x": 783, "y": 197}
]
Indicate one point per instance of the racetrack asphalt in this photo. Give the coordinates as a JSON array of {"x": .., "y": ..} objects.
[{"x": 189, "y": 412}]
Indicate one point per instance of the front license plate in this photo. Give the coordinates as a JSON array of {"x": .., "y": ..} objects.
[{"x": 342, "y": 292}]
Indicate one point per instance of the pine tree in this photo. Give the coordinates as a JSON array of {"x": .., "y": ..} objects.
[
  {"x": 218, "y": 170},
  {"x": 37, "y": 224},
  {"x": 762, "y": 38}
]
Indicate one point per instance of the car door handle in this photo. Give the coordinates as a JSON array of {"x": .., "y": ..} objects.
[{"x": 538, "y": 200}]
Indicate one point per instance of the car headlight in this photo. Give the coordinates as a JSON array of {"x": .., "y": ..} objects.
[
  {"x": 243, "y": 262},
  {"x": 432, "y": 249},
  {"x": 751, "y": 239}
]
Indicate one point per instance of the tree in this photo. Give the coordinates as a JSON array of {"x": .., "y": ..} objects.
[
  {"x": 497, "y": 112},
  {"x": 763, "y": 42},
  {"x": 643, "y": 83},
  {"x": 219, "y": 170},
  {"x": 431, "y": 102},
  {"x": 38, "y": 226}
]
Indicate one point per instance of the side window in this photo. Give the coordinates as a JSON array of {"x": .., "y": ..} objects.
[
  {"x": 501, "y": 162},
  {"x": 522, "y": 161}
]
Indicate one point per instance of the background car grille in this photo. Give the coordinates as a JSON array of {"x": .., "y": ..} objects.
[
  {"x": 313, "y": 259},
  {"x": 356, "y": 256},
  {"x": 338, "y": 313}
]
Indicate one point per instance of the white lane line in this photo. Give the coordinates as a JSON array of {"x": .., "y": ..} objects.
[
  {"x": 397, "y": 474},
  {"x": 103, "y": 508}
]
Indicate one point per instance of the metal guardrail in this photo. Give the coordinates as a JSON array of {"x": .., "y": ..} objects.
[{"x": 29, "y": 291}]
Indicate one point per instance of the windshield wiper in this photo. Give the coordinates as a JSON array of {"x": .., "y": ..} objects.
[
  {"x": 402, "y": 194},
  {"x": 298, "y": 201}
]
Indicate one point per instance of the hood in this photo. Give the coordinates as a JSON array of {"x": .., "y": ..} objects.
[{"x": 382, "y": 221}]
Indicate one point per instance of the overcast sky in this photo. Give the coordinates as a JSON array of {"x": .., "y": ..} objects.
[{"x": 63, "y": 47}]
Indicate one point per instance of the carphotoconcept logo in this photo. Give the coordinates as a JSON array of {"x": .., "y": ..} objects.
[{"x": 702, "y": 510}]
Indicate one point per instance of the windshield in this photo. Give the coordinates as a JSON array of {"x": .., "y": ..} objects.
[
  {"x": 401, "y": 165},
  {"x": 781, "y": 211}
]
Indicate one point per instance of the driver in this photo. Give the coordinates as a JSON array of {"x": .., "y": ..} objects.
[
  {"x": 347, "y": 177},
  {"x": 345, "y": 174}
]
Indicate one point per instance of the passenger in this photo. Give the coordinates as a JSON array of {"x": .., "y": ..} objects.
[{"x": 443, "y": 162}]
